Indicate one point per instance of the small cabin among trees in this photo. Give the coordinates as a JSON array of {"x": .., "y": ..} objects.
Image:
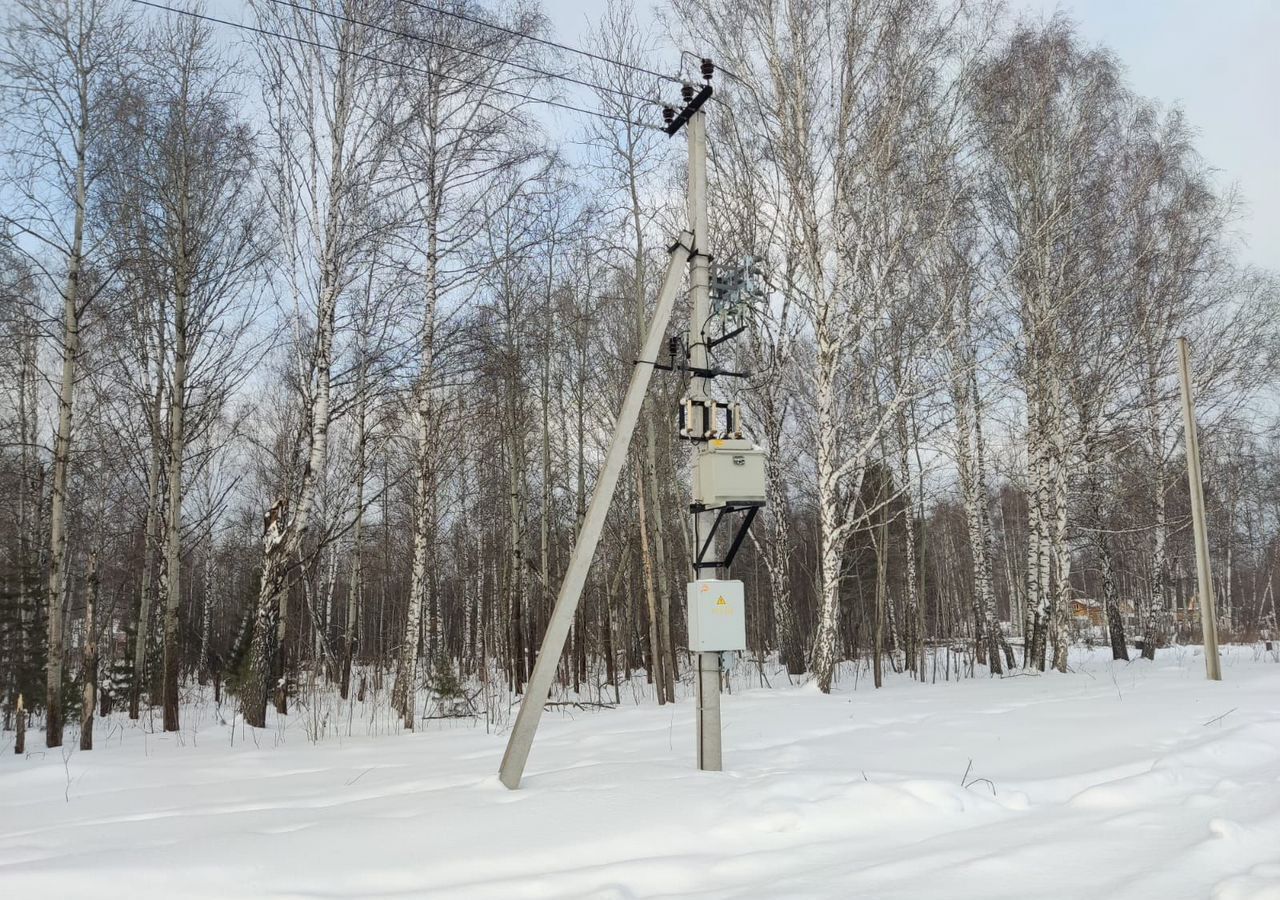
[{"x": 1087, "y": 612}]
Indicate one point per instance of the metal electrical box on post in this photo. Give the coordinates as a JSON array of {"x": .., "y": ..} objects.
[
  {"x": 717, "y": 620},
  {"x": 729, "y": 472}
]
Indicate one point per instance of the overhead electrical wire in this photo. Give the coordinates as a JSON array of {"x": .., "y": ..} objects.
[
  {"x": 414, "y": 36},
  {"x": 426, "y": 7},
  {"x": 240, "y": 26}
]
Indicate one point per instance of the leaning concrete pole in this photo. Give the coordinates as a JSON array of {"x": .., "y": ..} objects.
[
  {"x": 1208, "y": 613},
  {"x": 575, "y": 576}
]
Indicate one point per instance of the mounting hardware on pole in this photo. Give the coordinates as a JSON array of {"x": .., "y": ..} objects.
[
  {"x": 700, "y": 420},
  {"x": 693, "y": 103},
  {"x": 748, "y": 511},
  {"x": 736, "y": 290},
  {"x": 1204, "y": 579}
]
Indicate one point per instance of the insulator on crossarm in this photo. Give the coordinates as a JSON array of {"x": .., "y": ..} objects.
[
  {"x": 668, "y": 115},
  {"x": 687, "y": 93},
  {"x": 708, "y": 69}
]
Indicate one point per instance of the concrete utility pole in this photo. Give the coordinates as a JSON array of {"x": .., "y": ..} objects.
[
  {"x": 584, "y": 548},
  {"x": 743, "y": 490},
  {"x": 1208, "y": 613},
  {"x": 708, "y": 674}
]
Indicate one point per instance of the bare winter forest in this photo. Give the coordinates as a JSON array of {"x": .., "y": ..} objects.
[{"x": 314, "y": 327}]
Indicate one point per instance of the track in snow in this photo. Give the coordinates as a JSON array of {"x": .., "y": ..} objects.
[{"x": 1112, "y": 780}]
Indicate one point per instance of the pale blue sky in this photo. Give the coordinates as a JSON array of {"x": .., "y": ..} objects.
[{"x": 1219, "y": 60}]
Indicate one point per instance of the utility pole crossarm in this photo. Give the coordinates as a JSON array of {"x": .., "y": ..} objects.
[
  {"x": 584, "y": 549},
  {"x": 682, "y": 118}
]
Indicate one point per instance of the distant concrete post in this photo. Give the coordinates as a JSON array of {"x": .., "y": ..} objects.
[{"x": 1208, "y": 613}]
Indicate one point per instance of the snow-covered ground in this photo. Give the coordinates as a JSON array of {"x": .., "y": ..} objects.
[{"x": 1134, "y": 780}]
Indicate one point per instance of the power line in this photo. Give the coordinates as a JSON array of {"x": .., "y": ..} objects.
[
  {"x": 408, "y": 35},
  {"x": 240, "y": 26},
  {"x": 546, "y": 43}
]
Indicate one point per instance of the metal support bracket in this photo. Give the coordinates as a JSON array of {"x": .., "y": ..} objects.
[
  {"x": 712, "y": 343},
  {"x": 687, "y": 113},
  {"x": 748, "y": 510},
  {"x": 696, "y": 371}
]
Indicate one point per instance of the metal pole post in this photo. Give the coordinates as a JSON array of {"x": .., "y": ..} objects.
[
  {"x": 708, "y": 674},
  {"x": 575, "y": 576},
  {"x": 1208, "y": 614}
]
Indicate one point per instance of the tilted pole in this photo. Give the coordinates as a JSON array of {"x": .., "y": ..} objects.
[
  {"x": 575, "y": 576},
  {"x": 1208, "y": 613},
  {"x": 708, "y": 675}
]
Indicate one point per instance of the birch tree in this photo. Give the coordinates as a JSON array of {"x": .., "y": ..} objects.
[
  {"x": 61, "y": 55},
  {"x": 21, "y": 644},
  {"x": 1180, "y": 281},
  {"x": 463, "y": 131},
  {"x": 971, "y": 464},
  {"x": 206, "y": 251},
  {"x": 329, "y": 108},
  {"x": 852, "y": 90},
  {"x": 1045, "y": 106}
]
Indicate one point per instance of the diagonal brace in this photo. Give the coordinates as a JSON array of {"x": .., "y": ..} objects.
[{"x": 584, "y": 548}]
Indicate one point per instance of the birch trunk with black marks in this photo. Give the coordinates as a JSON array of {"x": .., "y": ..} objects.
[
  {"x": 355, "y": 585},
  {"x": 89, "y": 664},
  {"x": 657, "y": 659},
  {"x": 62, "y": 443},
  {"x": 1060, "y": 614},
  {"x": 1158, "y": 618},
  {"x": 425, "y": 477},
  {"x": 284, "y": 535},
  {"x": 177, "y": 451}
]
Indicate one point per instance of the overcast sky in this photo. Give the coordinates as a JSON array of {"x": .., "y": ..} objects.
[{"x": 1221, "y": 62}]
